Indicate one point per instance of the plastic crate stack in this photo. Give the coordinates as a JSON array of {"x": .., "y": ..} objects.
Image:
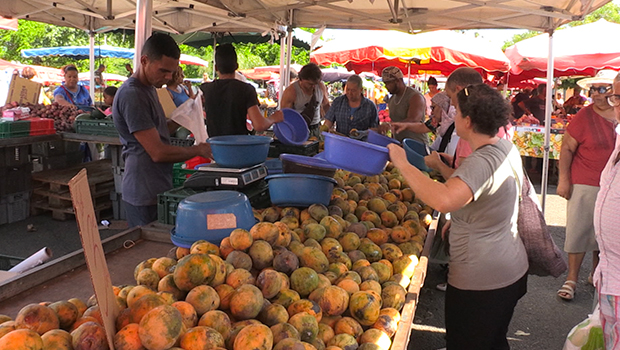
[
  {"x": 15, "y": 184},
  {"x": 52, "y": 155},
  {"x": 27, "y": 127},
  {"x": 118, "y": 167}
]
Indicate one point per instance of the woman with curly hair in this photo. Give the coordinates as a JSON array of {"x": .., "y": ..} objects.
[{"x": 488, "y": 262}]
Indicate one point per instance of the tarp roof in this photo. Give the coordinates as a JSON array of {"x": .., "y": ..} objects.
[
  {"x": 580, "y": 50},
  {"x": 186, "y": 16},
  {"x": 82, "y": 52}
]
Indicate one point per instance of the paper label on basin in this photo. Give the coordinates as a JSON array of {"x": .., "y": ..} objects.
[
  {"x": 230, "y": 181},
  {"x": 221, "y": 221}
]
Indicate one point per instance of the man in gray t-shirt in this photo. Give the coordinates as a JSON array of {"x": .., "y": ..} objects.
[{"x": 145, "y": 132}]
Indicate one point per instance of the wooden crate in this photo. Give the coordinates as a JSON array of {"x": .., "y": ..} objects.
[{"x": 51, "y": 189}]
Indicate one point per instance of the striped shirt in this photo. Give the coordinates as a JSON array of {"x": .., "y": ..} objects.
[{"x": 607, "y": 226}]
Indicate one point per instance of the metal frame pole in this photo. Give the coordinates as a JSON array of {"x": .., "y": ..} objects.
[
  {"x": 144, "y": 27},
  {"x": 281, "y": 71},
  {"x": 91, "y": 57},
  {"x": 548, "y": 109}
]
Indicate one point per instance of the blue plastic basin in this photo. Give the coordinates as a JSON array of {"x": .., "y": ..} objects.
[
  {"x": 416, "y": 151},
  {"x": 211, "y": 216},
  {"x": 381, "y": 140},
  {"x": 293, "y": 130},
  {"x": 320, "y": 155},
  {"x": 356, "y": 156},
  {"x": 300, "y": 190},
  {"x": 296, "y": 164},
  {"x": 274, "y": 166},
  {"x": 239, "y": 151}
]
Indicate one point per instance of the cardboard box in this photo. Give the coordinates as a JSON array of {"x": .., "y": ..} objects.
[{"x": 23, "y": 90}]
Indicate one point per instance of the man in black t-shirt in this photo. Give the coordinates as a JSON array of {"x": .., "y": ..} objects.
[
  {"x": 535, "y": 106},
  {"x": 229, "y": 102},
  {"x": 520, "y": 97}
]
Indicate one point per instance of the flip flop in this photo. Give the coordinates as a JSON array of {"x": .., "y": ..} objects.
[{"x": 567, "y": 291}]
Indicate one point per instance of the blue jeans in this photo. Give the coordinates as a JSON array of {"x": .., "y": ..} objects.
[{"x": 140, "y": 215}]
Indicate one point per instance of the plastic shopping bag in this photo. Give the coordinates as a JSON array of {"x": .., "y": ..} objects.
[
  {"x": 189, "y": 115},
  {"x": 588, "y": 335}
]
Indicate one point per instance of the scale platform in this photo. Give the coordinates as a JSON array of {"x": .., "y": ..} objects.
[{"x": 213, "y": 176}]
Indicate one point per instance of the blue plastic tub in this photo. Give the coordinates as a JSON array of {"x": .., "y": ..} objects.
[
  {"x": 211, "y": 216},
  {"x": 300, "y": 190},
  {"x": 296, "y": 164},
  {"x": 274, "y": 166},
  {"x": 293, "y": 130},
  {"x": 320, "y": 155},
  {"x": 413, "y": 148},
  {"x": 239, "y": 151},
  {"x": 381, "y": 140},
  {"x": 356, "y": 156},
  {"x": 417, "y": 146}
]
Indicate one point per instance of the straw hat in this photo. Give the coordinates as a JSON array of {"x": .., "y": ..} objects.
[{"x": 605, "y": 76}]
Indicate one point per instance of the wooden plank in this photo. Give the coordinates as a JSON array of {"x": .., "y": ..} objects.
[
  {"x": 21, "y": 141},
  {"x": 71, "y": 136},
  {"x": 401, "y": 338},
  {"x": 157, "y": 232},
  {"x": 101, "y": 171},
  {"x": 69, "y": 209},
  {"x": 57, "y": 267},
  {"x": 65, "y": 195}
]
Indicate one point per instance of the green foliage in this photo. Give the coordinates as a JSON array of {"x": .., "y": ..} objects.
[
  {"x": 609, "y": 12},
  {"x": 37, "y": 35}
]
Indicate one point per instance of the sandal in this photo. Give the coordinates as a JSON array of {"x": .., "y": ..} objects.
[{"x": 567, "y": 291}]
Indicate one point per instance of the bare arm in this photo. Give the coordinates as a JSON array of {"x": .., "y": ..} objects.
[
  {"x": 434, "y": 162},
  {"x": 288, "y": 97},
  {"x": 329, "y": 124},
  {"x": 62, "y": 101},
  {"x": 325, "y": 104},
  {"x": 417, "y": 108},
  {"x": 567, "y": 152},
  {"x": 261, "y": 123},
  {"x": 162, "y": 153},
  {"x": 444, "y": 197},
  {"x": 417, "y": 127},
  {"x": 523, "y": 108},
  {"x": 172, "y": 126}
]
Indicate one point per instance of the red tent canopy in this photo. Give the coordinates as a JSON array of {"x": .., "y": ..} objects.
[
  {"x": 581, "y": 50},
  {"x": 440, "y": 51}
]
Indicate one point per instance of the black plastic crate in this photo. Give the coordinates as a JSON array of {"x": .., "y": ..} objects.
[
  {"x": 181, "y": 142},
  {"x": 15, "y": 156},
  {"x": 309, "y": 148},
  {"x": 49, "y": 148},
  {"x": 17, "y": 206},
  {"x": 15, "y": 179},
  {"x": 168, "y": 202}
]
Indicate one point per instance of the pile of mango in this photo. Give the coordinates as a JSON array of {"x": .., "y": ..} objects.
[{"x": 318, "y": 278}]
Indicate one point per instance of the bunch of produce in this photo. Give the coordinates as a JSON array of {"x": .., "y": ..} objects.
[
  {"x": 321, "y": 278},
  {"x": 384, "y": 116},
  {"x": 64, "y": 116},
  {"x": 527, "y": 119}
]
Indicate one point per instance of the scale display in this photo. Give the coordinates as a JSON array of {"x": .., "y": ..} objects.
[{"x": 211, "y": 176}]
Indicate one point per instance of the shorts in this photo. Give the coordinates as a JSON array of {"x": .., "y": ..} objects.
[{"x": 580, "y": 236}]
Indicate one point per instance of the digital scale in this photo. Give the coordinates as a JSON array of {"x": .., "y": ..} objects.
[{"x": 211, "y": 176}]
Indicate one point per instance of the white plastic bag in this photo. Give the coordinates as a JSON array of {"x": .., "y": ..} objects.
[
  {"x": 189, "y": 115},
  {"x": 587, "y": 335}
]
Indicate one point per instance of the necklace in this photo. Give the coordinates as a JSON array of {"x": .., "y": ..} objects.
[{"x": 401, "y": 97}]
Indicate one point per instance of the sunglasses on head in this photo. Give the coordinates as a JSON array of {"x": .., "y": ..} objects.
[{"x": 600, "y": 89}]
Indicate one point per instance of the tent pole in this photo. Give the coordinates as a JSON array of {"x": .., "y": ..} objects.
[
  {"x": 548, "y": 109},
  {"x": 409, "y": 74},
  {"x": 289, "y": 49},
  {"x": 144, "y": 10},
  {"x": 91, "y": 57},
  {"x": 214, "y": 44},
  {"x": 282, "y": 59}
]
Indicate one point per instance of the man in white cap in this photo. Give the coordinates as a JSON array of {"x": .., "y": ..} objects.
[
  {"x": 405, "y": 105},
  {"x": 587, "y": 145}
]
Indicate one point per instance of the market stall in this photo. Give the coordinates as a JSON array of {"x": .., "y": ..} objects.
[{"x": 530, "y": 141}]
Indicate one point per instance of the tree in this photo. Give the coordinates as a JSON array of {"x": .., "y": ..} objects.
[{"x": 609, "y": 12}]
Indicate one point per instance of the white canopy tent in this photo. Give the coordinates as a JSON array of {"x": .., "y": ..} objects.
[{"x": 413, "y": 16}]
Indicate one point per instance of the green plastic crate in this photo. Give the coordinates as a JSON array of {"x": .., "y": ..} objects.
[
  {"x": 179, "y": 175},
  {"x": 19, "y": 128},
  {"x": 168, "y": 202},
  {"x": 103, "y": 127}
]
